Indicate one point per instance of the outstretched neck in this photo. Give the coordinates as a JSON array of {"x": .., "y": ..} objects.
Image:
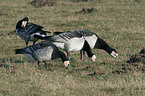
[
  {"x": 63, "y": 56},
  {"x": 101, "y": 44},
  {"x": 64, "y": 59}
]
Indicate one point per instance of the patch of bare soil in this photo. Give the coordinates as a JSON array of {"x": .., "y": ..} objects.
[
  {"x": 41, "y": 3},
  {"x": 134, "y": 64},
  {"x": 87, "y": 10}
]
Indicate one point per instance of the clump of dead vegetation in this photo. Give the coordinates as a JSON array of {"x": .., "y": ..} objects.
[
  {"x": 41, "y": 3},
  {"x": 87, "y": 10},
  {"x": 134, "y": 64}
]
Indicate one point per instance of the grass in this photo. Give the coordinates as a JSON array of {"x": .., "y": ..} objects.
[{"x": 119, "y": 22}]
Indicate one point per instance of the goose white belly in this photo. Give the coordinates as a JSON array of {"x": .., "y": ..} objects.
[
  {"x": 74, "y": 44},
  {"x": 91, "y": 40}
]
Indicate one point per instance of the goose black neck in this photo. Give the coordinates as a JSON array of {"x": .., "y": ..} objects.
[
  {"x": 18, "y": 26},
  {"x": 101, "y": 44},
  {"x": 63, "y": 56},
  {"x": 58, "y": 54}
]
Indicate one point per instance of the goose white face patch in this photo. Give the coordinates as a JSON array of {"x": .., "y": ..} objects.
[
  {"x": 66, "y": 63},
  {"x": 114, "y": 54},
  {"x": 94, "y": 58},
  {"x": 24, "y": 23}
]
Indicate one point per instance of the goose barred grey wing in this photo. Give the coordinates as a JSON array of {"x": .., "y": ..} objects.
[
  {"x": 86, "y": 32},
  {"x": 66, "y": 36},
  {"x": 31, "y": 49},
  {"x": 33, "y": 28},
  {"x": 21, "y": 32}
]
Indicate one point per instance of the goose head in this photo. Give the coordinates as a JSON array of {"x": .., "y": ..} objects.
[
  {"x": 66, "y": 63},
  {"x": 22, "y": 23},
  {"x": 114, "y": 53}
]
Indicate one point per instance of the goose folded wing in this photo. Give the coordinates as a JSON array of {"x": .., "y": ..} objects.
[
  {"x": 87, "y": 33},
  {"x": 33, "y": 28},
  {"x": 65, "y": 36}
]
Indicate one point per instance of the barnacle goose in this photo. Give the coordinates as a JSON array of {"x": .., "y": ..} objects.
[
  {"x": 95, "y": 42},
  {"x": 43, "y": 52},
  {"x": 69, "y": 41},
  {"x": 27, "y": 30}
]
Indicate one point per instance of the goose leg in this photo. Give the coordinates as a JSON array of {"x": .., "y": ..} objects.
[
  {"x": 38, "y": 64},
  {"x": 88, "y": 50},
  {"x": 46, "y": 66},
  {"x": 82, "y": 54}
]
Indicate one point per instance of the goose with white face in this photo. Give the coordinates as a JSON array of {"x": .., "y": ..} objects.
[
  {"x": 24, "y": 23},
  {"x": 66, "y": 63},
  {"x": 94, "y": 58},
  {"x": 114, "y": 54}
]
